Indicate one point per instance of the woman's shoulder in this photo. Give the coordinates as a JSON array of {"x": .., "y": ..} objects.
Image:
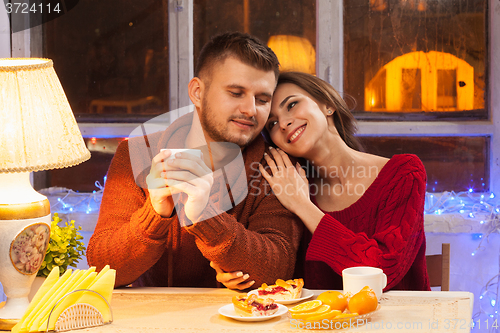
[
  {"x": 401, "y": 167},
  {"x": 405, "y": 163}
]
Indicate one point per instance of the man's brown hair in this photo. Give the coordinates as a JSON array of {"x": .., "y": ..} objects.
[{"x": 244, "y": 47}]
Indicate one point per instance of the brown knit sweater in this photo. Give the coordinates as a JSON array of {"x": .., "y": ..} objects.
[{"x": 258, "y": 236}]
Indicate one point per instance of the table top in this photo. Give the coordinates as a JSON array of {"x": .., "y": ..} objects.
[{"x": 196, "y": 310}]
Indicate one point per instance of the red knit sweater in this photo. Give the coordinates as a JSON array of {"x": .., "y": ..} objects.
[
  {"x": 384, "y": 228},
  {"x": 258, "y": 236}
]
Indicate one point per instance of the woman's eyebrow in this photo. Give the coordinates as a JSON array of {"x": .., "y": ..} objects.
[{"x": 285, "y": 100}]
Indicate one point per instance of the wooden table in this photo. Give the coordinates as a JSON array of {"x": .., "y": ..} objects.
[{"x": 196, "y": 310}]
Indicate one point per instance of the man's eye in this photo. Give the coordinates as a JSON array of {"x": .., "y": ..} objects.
[
  {"x": 262, "y": 101},
  {"x": 235, "y": 94},
  {"x": 291, "y": 105}
]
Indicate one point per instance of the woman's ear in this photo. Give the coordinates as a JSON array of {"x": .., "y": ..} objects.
[
  {"x": 328, "y": 110},
  {"x": 195, "y": 91}
]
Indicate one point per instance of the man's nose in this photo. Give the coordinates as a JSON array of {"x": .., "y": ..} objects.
[{"x": 248, "y": 106}]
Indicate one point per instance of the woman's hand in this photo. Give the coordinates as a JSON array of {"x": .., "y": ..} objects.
[
  {"x": 289, "y": 183},
  {"x": 234, "y": 280}
]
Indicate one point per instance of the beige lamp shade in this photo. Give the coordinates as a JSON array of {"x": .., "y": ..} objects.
[{"x": 38, "y": 130}]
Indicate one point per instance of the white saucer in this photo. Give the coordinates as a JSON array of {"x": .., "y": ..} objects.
[
  {"x": 228, "y": 311},
  {"x": 306, "y": 293}
]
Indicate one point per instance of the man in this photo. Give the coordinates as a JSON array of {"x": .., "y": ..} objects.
[{"x": 153, "y": 238}]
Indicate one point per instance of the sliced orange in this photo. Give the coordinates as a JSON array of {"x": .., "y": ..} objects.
[
  {"x": 283, "y": 284},
  {"x": 308, "y": 306},
  {"x": 305, "y": 315},
  {"x": 327, "y": 315},
  {"x": 346, "y": 315}
]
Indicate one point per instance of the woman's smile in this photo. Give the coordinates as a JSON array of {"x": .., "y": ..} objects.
[{"x": 293, "y": 137}]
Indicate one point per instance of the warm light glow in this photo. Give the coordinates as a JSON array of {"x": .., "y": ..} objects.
[
  {"x": 37, "y": 128},
  {"x": 294, "y": 53},
  {"x": 411, "y": 83}
]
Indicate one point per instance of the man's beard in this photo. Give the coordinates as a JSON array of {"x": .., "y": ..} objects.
[{"x": 219, "y": 132}]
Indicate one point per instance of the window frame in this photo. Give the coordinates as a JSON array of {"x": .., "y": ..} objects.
[
  {"x": 330, "y": 30},
  {"x": 329, "y": 66}
]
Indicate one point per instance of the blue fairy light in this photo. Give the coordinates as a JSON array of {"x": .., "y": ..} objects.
[{"x": 492, "y": 195}]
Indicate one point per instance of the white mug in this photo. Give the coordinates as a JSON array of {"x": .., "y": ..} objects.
[
  {"x": 356, "y": 278},
  {"x": 194, "y": 152}
]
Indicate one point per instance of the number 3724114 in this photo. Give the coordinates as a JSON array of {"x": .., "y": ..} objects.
[
  {"x": 26, "y": 8},
  {"x": 477, "y": 324}
]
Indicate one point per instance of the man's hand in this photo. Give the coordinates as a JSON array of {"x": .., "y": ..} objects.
[
  {"x": 190, "y": 175},
  {"x": 234, "y": 280},
  {"x": 159, "y": 193}
]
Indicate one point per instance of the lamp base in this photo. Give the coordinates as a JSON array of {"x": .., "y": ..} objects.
[
  {"x": 7, "y": 324},
  {"x": 23, "y": 244}
]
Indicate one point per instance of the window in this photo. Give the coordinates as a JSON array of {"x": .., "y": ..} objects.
[
  {"x": 374, "y": 51},
  {"x": 111, "y": 58},
  {"x": 432, "y": 55},
  {"x": 288, "y": 27},
  {"x": 387, "y": 90}
]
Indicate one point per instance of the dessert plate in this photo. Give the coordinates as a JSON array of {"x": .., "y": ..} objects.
[
  {"x": 228, "y": 311},
  {"x": 306, "y": 293}
]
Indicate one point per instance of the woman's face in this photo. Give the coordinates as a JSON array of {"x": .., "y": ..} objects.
[{"x": 296, "y": 122}]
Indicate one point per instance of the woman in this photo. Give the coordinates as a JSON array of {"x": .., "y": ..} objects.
[{"x": 360, "y": 209}]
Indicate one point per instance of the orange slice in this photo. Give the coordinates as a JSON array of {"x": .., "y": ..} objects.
[
  {"x": 327, "y": 315},
  {"x": 346, "y": 315},
  {"x": 283, "y": 284},
  {"x": 305, "y": 315},
  {"x": 308, "y": 306}
]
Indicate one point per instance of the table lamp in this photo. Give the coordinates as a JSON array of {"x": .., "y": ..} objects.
[{"x": 37, "y": 132}]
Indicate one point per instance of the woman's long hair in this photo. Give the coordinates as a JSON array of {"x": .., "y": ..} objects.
[{"x": 322, "y": 92}]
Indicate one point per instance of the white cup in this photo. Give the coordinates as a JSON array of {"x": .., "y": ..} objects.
[
  {"x": 194, "y": 152},
  {"x": 356, "y": 278}
]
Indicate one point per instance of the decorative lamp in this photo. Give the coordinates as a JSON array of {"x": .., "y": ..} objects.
[
  {"x": 294, "y": 53},
  {"x": 37, "y": 132}
]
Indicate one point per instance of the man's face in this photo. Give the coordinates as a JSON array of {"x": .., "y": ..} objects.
[{"x": 235, "y": 106}]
